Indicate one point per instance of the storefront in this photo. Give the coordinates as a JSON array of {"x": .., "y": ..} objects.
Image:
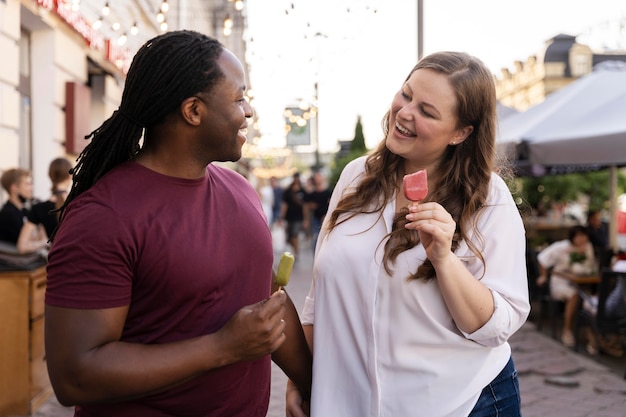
[
  {"x": 64, "y": 64},
  {"x": 59, "y": 80}
]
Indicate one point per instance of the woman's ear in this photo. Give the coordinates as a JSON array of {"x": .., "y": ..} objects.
[
  {"x": 190, "y": 110},
  {"x": 461, "y": 135}
]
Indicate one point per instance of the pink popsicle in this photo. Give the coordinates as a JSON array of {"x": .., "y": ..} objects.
[{"x": 416, "y": 185}]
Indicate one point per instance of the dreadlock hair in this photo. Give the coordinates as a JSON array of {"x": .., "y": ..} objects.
[
  {"x": 165, "y": 71},
  {"x": 463, "y": 175}
]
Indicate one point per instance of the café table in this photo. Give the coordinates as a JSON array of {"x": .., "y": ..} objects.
[{"x": 585, "y": 279}]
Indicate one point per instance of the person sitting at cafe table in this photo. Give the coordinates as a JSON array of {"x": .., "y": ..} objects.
[
  {"x": 18, "y": 184},
  {"x": 614, "y": 309},
  {"x": 599, "y": 237},
  {"x": 570, "y": 256}
]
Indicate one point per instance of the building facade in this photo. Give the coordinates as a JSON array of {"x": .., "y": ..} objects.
[
  {"x": 561, "y": 61},
  {"x": 64, "y": 66}
]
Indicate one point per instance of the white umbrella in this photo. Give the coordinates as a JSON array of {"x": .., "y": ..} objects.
[
  {"x": 590, "y": 108},
  {"x": 504, "y": 111},
  {"x": 598, "y": 137},
  {"x": 582, "y": 124}
]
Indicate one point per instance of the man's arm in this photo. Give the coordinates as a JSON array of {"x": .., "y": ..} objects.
[{"x": 88, "y": 363}]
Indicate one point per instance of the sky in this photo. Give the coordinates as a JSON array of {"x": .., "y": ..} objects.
[{"x": 360, "y": 51}]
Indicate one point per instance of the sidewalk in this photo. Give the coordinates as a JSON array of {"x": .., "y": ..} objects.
[{"x": 554, "y": 380}]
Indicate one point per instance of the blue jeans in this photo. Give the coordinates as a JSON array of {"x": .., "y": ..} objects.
[{"x": 501, "y": 398}]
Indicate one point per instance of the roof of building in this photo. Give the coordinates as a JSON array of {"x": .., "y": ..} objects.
[{"x": 557, "y": 50}]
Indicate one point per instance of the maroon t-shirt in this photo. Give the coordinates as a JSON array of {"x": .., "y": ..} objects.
[{"x": 185, "y": 255}]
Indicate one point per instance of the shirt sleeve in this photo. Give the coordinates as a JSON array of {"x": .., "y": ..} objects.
[
  {"x": 548, "y": 257},
  {"x": 503, "y": 242},
  {"x": 90, "y": 262}
]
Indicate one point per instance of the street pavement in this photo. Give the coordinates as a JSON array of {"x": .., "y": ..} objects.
[{"x": 554, "y": 380}]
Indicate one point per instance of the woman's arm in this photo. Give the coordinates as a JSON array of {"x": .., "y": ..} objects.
[
  {"x": 487, "y": 300},
  {"x": 297, "y": 404},
  {"x": 32, "y": 238},
  {"x": 469, "y": 301},
  {"x": 294, "y": 356}
]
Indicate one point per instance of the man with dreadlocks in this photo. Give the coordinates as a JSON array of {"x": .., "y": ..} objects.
[{"x": 159, "y": 298}]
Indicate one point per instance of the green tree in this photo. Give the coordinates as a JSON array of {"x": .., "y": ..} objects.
[
  {"x": 357, "y": 148},
  {"x": 358, "y": 143},
  {"x": 536, "y": 191}
]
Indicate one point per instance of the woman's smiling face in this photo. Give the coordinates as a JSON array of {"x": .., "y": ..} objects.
[{"x": 423, "y": 119}]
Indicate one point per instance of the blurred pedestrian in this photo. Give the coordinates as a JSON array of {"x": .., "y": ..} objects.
[
  {"x": 43, "y": 218},
  {"x": 598, "y": 231},
  {"x": 412, "y": 304},
  {"x": 18, "y": 183},
  {"x": 278, "y": 199},
  {"x": 317, "y": 204},
  {"x": 293, "y": 212},
  {"x": 158, "y": 299}
]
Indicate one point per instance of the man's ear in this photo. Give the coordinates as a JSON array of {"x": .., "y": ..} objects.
[
  {"x": 14, "y": 189},
  {"x": 190, "y": 110}
]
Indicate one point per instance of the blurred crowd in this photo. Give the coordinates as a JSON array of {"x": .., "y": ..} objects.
[{"x": 295, "y": 209}]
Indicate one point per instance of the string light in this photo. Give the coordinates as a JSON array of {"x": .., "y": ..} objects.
[
  {"x": 105, "y": 19},
  {"x": 228, "y": 26},
  {"x": 228, "y": 22}
]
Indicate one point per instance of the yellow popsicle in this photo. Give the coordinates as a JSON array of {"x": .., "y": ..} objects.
[{"x": 284, "y": 269}]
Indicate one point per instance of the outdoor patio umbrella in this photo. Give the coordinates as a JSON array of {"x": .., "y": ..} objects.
[
  {"x": 583, "y": 123},
  {"x": 581, "y": 126},
  {"x": 504, "y": 111},
  {"x": 595, "y": 138}
]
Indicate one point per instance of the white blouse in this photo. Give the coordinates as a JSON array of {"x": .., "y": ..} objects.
[{"x": 386, "y": 346}]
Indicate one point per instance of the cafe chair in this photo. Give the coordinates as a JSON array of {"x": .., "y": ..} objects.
[
  {"x": 605, "y": 257},
  {"x": 540, "y": 295},
  {"x": 597, "y": 320},
  {"x": 549, "y": 307},
  {"x": 532, "y": 271}
]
